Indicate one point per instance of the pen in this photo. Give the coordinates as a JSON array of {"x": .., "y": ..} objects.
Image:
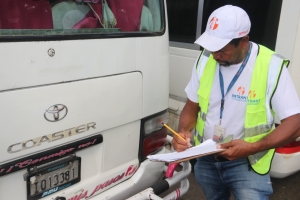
[{"x": 173, "y": 131}]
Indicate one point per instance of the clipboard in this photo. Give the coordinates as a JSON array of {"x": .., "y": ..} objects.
[
  {"x": 206, "y": 148},
  {"x": 225, "y": 140},
  {"x": 197, "y": 156}
]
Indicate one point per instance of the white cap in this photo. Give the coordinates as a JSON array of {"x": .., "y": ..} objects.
[{"x": 223, "y": 25}]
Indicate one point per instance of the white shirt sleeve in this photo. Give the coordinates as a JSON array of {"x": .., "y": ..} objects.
[
  {"x": 193, "y": 85},
  {"x": 285, "y": 101}
]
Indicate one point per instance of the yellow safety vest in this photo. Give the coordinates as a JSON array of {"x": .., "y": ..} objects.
[{"x": 259, "y": 119}]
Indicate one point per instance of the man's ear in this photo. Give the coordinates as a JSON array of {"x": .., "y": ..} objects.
[{"x": 245, "y": 41}]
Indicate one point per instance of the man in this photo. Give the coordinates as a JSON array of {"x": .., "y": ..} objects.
[{"x": 235, "y": 89}]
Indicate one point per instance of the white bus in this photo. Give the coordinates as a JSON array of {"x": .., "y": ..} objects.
[
  {"x": 83, "y": 91},
  {"x": 275, "y": 24}
]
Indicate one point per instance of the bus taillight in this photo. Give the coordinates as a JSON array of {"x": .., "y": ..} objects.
[
  {"x": 154, "y": 142},
  {"x": 153, "y": 134}
]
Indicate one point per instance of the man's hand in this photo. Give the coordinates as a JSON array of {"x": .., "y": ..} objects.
[
  {"x": 179, "y": 144},
  {"x": 236, "y": 149},
  {"x": 187, "y": 122},
  {"x": 286, "y": 132}
]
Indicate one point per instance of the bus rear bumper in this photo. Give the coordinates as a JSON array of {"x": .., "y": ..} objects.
[
  {"x": 162, "y": 186},
  {"x": 146, "y": 176}
]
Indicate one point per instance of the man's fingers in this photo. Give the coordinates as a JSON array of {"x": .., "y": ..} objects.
[
  {"x": 180, "y": 140},
  {"x": 224, "y": 146},
  {"x": 189, "y": 142},
  {"x": 180, "y": 144}
]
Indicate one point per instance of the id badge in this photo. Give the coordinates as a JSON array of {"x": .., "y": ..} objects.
[{"x": 219, "y": 133}]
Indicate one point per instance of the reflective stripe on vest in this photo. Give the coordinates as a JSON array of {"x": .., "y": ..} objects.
[
  {"x": 274, "y": 71},
  {"x": 204, "y": 60},
  {"x": 268, "y": 68},
  {"x": 202, "y": 63}
]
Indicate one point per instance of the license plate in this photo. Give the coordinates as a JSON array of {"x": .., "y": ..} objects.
[{"x": 50, "y": 178}]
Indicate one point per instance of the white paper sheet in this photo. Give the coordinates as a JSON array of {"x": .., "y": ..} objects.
[{"x": 206, "y": 147}]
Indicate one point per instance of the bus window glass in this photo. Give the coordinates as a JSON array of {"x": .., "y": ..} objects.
[
  {"x": 182, "y": 20},
  {"x": 264, "y": 16},
  {"x": 65, "y": 17},
  {"x": 187, "y": 19}
]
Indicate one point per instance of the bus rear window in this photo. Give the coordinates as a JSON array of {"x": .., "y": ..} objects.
[{"x": 65, "y": 17}]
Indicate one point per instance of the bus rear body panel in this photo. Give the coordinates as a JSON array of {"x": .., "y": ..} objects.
[{"x": 75, "y": 100}]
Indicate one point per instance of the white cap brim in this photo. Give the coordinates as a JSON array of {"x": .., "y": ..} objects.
[{"x": 211, "y": 43}]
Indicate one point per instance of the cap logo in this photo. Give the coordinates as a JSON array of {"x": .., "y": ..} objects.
[
  {"x": 214, "y": 23},
  {"x": 243, "y": 33}
]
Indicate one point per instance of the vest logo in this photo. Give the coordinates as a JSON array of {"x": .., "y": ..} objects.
[
  {"x": 252, "y": 94},
  {"x": 253, "y": 101},
  {"x": 251, "y": 98},
  {"x": 214, "y": 23}
]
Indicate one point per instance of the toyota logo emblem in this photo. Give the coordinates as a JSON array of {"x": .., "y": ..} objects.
[{"x": 56, "y": 113}]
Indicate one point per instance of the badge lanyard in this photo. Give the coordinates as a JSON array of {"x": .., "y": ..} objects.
[{"x": 236, "y": 76}]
